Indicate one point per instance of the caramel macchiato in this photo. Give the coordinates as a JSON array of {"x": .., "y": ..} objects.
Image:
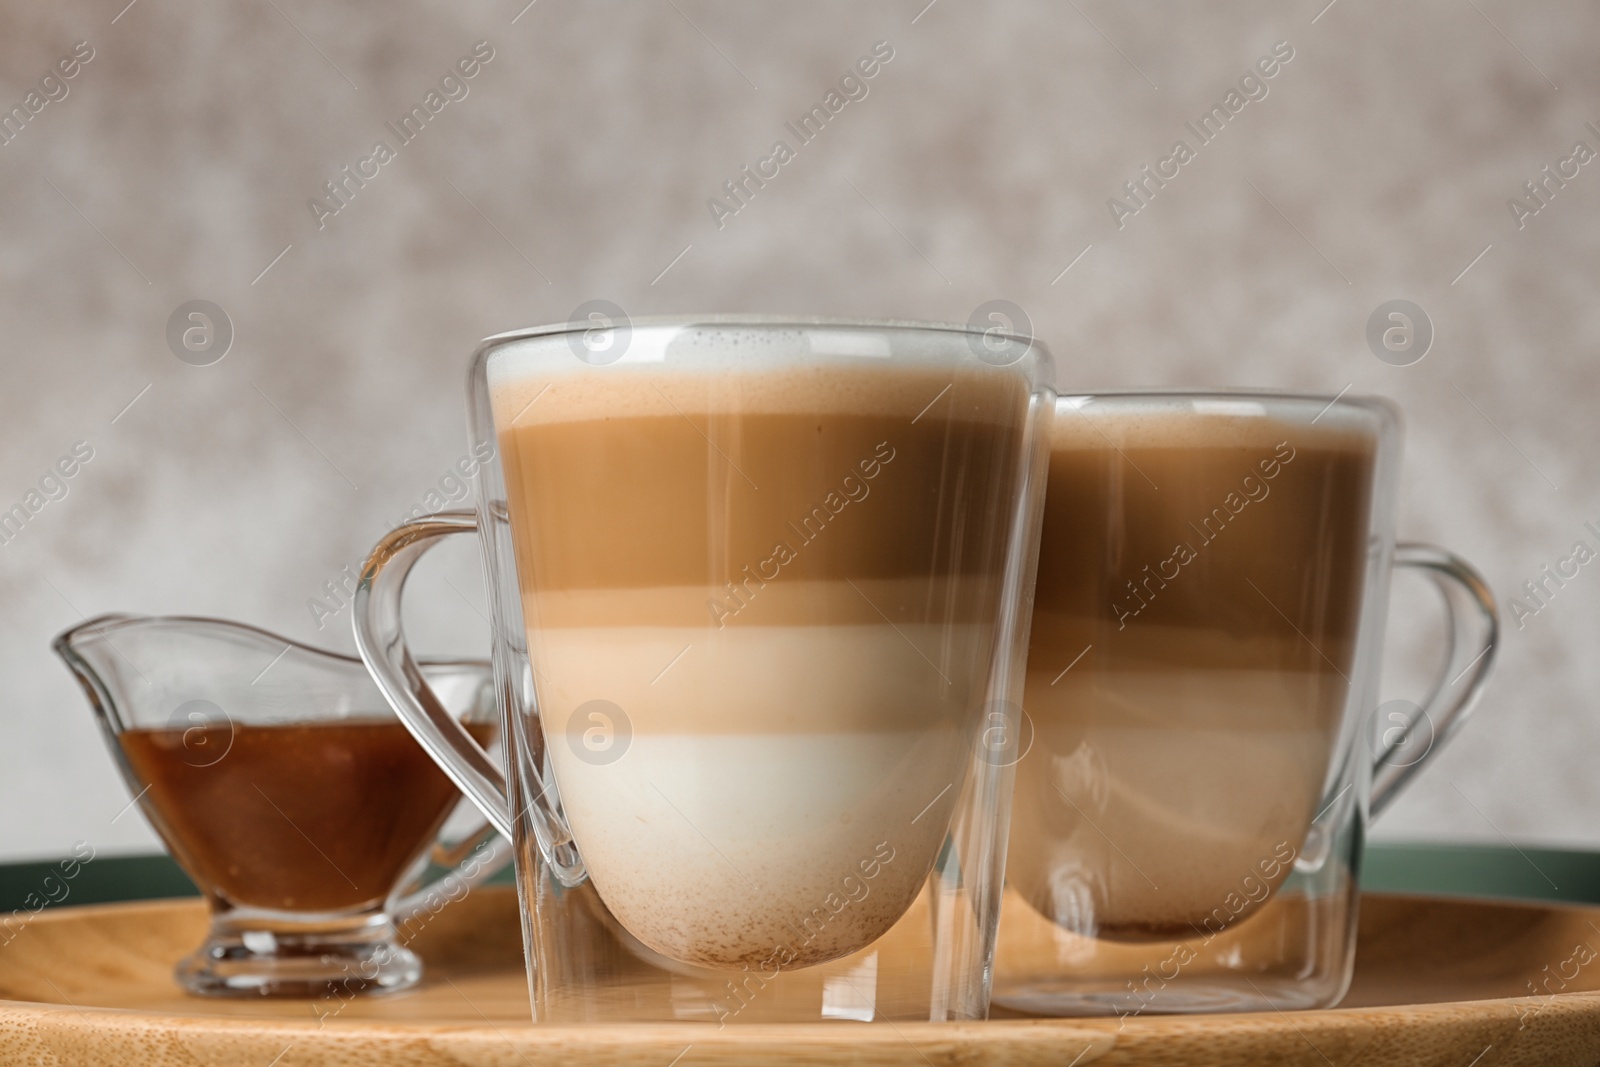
[
  {"x": 1194, "y": 633},
  {"x": 778, "y": 585}
]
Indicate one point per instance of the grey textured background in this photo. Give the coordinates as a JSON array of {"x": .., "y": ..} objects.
[{"x": 579, "y": 165}]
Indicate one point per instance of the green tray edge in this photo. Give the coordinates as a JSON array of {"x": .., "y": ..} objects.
[
  {"x": 1438, "y": 869},
  {"x": 31, "y": 887}
]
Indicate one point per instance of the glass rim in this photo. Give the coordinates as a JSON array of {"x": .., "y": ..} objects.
[
  {"x": 1370, "y": 402},
  {"x": 112, "y": 622},
  {"x": 760, "y": 321}
]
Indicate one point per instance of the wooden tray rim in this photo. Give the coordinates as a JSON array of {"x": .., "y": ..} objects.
[{"x": 1100, "y": 1033}]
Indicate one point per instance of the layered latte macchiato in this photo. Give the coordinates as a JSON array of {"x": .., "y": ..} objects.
[
  {"x": 778, "y": 582},
  {"x": 1194, "y": 633}
]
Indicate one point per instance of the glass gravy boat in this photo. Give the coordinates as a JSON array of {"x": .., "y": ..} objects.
[{"x": 285, "y": 786}]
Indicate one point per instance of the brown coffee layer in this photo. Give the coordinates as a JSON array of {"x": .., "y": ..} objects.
[
  {"x": 744, "y": 502},
  {"x": 1250, "y": 552}
]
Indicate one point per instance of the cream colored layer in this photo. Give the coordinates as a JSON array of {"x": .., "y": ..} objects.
[
  {"x": 766, "y": 679},
  {"x": 1210, "y": 422},
  {"x": 1150, "y": 801},
  {"x": 782, "y": 601},
  {"x": 732, "y": 849}
]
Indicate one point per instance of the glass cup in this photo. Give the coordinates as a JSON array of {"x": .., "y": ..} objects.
[
  {"x": 284, "y": 786},
  {"x": 1207, "y": 632},
  {"x": 756, "y": 589}
]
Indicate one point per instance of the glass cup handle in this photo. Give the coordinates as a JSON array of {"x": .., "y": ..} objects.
[
  {"x": 1474, "y": 641},
  {"x": 382, "y": 644}
]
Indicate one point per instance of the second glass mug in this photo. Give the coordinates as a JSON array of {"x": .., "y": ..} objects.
[
  {"x": 756, "y": 589},
  {"x": 1208, "y": 625}
]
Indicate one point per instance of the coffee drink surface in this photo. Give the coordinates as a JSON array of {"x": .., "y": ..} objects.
[
  {"x": 1200, "y": 583},
  {"x": 758, "y": 648}
]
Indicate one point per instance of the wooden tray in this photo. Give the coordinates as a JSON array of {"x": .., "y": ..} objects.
[{"x": 1437, "y": 982}]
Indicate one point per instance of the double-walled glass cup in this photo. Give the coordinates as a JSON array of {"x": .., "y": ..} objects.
[
  {"x": 756, "y": 588},
  {"x": 1200, "y": 760}
]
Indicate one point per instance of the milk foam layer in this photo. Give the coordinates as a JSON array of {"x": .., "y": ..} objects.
[
  {"x": 719, "y": 851},
  {"x": 763, "y": 774},
  {"x": 676, "y": 370},
  {"x": 1230, "y": 421}
]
